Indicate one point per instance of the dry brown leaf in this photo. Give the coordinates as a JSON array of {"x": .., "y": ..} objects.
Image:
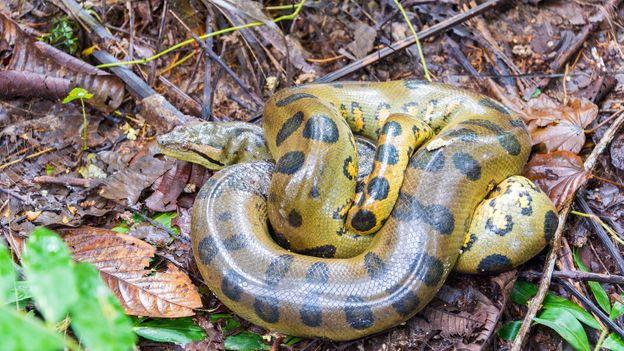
[
  {"x": 560, "y": 127},
  {"x": 121, "y": 260},
  {"x": 558, "y": 174}
]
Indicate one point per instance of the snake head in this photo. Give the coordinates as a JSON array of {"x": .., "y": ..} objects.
[{"x": 215, "y": 145}]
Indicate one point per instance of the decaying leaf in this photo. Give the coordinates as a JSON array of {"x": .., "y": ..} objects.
[
  {"x": 558, "y": 174},
  {"x": 33, "y": 68},
  {"x": 121, "y": 260},
  {"x": 560, "y": 127}
]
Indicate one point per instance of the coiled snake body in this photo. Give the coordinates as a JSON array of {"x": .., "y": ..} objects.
[{"x": 459, "y": 191}]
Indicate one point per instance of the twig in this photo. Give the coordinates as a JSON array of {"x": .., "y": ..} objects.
[
  {"x": 578, "y": 275},
  {"x": 591, "y": 306},
  {"x": 67, "y": 181},
  {"x": 536, "y": 302},
  {"x": 39, "y": 153},
  {"x": 403, "y": 43},
  {"x": 161, "y": 31},
  {"x": 207, "y": 100},
  {"x": 602, "y": 234}
]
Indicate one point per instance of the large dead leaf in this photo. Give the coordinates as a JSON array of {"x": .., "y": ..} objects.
[
  {"x": 558, "y": 174},
  {"x": 121, "y": 260},
  {"x": 560, "y": 127}
]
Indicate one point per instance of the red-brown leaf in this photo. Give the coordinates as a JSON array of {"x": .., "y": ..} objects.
[
  {"x": 121, "y": 260},
  {"x": 558, "y": 174},
  {"x": 560, "y": 127}
]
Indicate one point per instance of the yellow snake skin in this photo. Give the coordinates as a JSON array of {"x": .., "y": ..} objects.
[{"x": 444, "y": 182}]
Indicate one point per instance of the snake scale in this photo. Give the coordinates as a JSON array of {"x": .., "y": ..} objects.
[{"x": 286, "y": 244}]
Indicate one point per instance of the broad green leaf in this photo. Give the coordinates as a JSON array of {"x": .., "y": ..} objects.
[
  {"x": 509, "y": 331},
  {"x": 558, "y": 302},
  {"x": 617, "y": 310},
  {"x": 566, "y": 325},
  {"x": 77, "y": 93},
  {"x": 599, "y": 293},
  {"x": 245, "y": 341},
  {"x": 179, "y": 330},
  {"x": 50, "y": 274},
  {"x": 7, "y": 276},
  {"x": 613, "y": 342},
  {"x": 22, "y": 332},
  {"x": 97, "y": 317},
  {"x": 165, "y": 218},
  {"x": 522, "y": 292},
  {"x": 230, "y": 322},
  {"x": 292, "y": 340}
]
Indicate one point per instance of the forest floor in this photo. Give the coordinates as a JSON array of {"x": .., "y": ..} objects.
[{"x": 560, "y": 64}]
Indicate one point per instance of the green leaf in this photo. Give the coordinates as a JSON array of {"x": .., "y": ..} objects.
[
  {"x": 509, "y": 331},
  {"x": 599, "y": 293},
  {"x": 613, "y": 342},
  {"x": 536, "y": 93},
  {"x": 7, "y": 276},
  {"x": 77, "y": 93},
  {"x": 50, "y": 274},
  {"x": 246, "y": 341},
  {"x": 20, "y": 295},
  {"x": 558, "y": 302},
  {"x": 97, "y": 317},
  {"x": 292, "y": 340},
  {"x": 179, "y": 330},
  {"x": 230, "y": 322},
  {"x": 522, "y": 292},
  {"x": 24, "y": 332},
  {"x": 617, "y": 310},
  {"x": 165, "y": 218},
  {"x": 566, "y": 325}
]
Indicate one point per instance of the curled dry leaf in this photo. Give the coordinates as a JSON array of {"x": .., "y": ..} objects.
[
  {"x": 121, "y": 260},
  {"x": 560, "y": 127},
  {"x": 558, "y": 174}
]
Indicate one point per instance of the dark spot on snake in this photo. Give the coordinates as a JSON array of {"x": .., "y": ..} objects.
[
  {"x": 290, "y": 162},
  {"x": 278, "y": 269},
  {"x": 318, "y": 273},
  {"x": 392, "y": 128},
  {"x": 471, "y": 240},
  {"x": 413, "y": 84},
  {"x": 494, "y": 263},
  {"x": 489, "y": 225},
  {"x": 363, "y": 220},
  {"x": 380, "y": 107},
  {"x": 467, "y": 165},
  {"x": 289, "y": 127},
  {"x": 374, "y": 265},
  {"x": 311, "y": 313},
  {"x": 429, "y": 161},
  {"x": 378, "y": 188},
  {"x": 206, "y": 250},
  {"x": 324, "y": 251},
  {"x": 235, "y": 242},
  {"x": 510, "y": 143},
  {"x": 230, "y": 285},
  {"x": 358, "y": 314},
  {"x": 484, "y": 123},
  {"x": 294, "y": 218},
  {"x": 267, "y": 308},
  {"x": 551, "y": 221},
  {"x": 294, "y": 97},
  {"x": 345, "y": 167},
  {"x": 314, "y": 192},
  {"x": 495, "y": 105},
  {"x": 359, "y": 187},
  {"x": 404, "y": 301},
  {"x": 518, "y": 123},
  {"x": 207, "y": 157},
  {"x": 280, "y": 239},
  {"x": 337, "y": 85},
  {"x": 387, "y": 154},
  {"x": 406, "y": 107},
  {"x": 322, "y": 128},
  {"x": 427, "y": 269},
  {"x": 408, "y": 208},
  {"x": 464, "y": 134},
  {"x": 224, "y": 216},
  {"x": 528, "y": 209}
]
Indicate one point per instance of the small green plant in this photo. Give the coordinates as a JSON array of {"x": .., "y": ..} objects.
[
  {"x": 66, "y": 294},
  {"x": 566, "y": 318},
  {"x": 82, "y": 95},
  {"x": 62, "y": 35}
]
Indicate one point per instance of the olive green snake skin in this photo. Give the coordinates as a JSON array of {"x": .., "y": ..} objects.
[{"x": 443, "y": 182}]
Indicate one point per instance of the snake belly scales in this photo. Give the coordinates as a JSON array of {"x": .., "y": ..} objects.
[{"x": 447, "y": 159}]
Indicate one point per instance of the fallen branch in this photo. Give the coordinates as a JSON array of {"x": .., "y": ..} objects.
[{"x": 578, "y": 275}]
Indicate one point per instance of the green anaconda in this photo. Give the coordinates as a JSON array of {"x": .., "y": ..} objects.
[{"x": 444, "y": 181}]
